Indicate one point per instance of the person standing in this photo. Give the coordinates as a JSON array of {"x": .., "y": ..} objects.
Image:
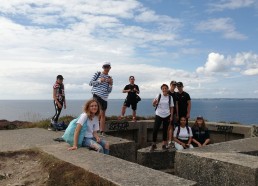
[
  {"x": 163, "y": 115},
  {"x": 173, "y": 123},
  {"x": 183, "y": 103},
  {"x": 132, "y": 90},
  {"x": 102, "y": 85},
  {"x": 58, "y": 99}
]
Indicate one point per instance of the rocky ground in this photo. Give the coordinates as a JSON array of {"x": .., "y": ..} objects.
[
  {"x": 5, "y": 124},
  {"x": 22, "y": 170}
]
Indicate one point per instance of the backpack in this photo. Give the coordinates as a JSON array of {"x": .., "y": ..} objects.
[
  {"x": 59, "y": 126},
  {"x": 178, "y": 130},
  {"x": 69, "y": 132},
  {"x": 169, "y": 101}
]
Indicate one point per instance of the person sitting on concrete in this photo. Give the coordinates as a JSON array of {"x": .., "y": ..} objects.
[
  {"x": 201, "y": 136},
  {"x": 90, "y": 117},
  {"x": 183, "y": 135},
  {"x": 164, "y": 115}
]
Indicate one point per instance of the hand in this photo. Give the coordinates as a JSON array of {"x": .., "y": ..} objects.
[
  {"x": 73, "y": 148},
  {"x": 155, "y": 102},
  {"x": 102, "y": 79},
  {"x": 199, "y": 145},
  {"x": 184, "y": 145},
  {"x": 97, "y": 139}
]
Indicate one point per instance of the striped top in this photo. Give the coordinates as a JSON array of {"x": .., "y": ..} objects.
[{"x": 101, "y": 89}]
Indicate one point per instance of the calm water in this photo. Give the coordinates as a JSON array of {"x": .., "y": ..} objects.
[{"x": 230, "y": 110}]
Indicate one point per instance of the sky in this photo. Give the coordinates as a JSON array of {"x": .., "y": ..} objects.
[{"x": 210, "y": 46}]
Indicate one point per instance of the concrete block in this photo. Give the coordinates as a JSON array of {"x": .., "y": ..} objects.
[{"x": 158, "y": 159}]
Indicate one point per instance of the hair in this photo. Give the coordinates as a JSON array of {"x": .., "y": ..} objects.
[
  {"x": 164, "y": 85},
  {"x": 131, "y": 77},
  {"x": 86, "y": 108},
  {"x": 203, "y": 126}
]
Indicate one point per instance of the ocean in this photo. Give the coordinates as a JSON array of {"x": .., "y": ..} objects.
[{"x": 243, "y": 111}]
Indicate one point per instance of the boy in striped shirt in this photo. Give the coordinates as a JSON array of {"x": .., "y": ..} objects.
[{"x": 102, "y": 84}]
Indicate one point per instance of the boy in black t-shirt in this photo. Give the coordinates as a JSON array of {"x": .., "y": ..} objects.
[
  {"x": 132, "y": 90},
  {"x": 183, "y": 103}
]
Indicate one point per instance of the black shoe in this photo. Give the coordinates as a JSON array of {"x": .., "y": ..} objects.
[
  {"x": 153, "y": 147},
  {"x": 164, "y": 147}
]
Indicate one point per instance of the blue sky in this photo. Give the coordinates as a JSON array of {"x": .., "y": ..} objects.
[{"x": 211, "y": 46}]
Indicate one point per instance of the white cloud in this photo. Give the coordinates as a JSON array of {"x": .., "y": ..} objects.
[
  {"x": 245, "y": 63},
  {"x": 223, "y": 25},
  {"x": 231, "y": 4}
]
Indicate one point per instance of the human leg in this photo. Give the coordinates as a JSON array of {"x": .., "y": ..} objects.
[
  {"x": 134, "y": 107},
  {"x": 92, "y": 144},
  {"x": 105, "y": 146},
  {"x": 165, "y": 122},
  {"x": 178, "y": 146}
]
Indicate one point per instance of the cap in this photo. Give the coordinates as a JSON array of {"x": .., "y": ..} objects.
[
  {"x": 173, "y": 82},
  {"x": 179, "y": 84},
  {"x": 59, "y": 77},
  {"x": 199, "y": 117},
  {"x": 106, "y": 63}
]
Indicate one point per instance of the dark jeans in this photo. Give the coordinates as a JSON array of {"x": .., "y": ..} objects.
[
  {"x": 158, "y": 121},
  {"x": 58, "y": 112}
]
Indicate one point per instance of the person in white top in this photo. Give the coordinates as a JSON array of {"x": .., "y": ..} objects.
[
  {"x": 183, "y": 135},
  {"x": 164, "y": 115},
  {"x": 90, "y": 117}
]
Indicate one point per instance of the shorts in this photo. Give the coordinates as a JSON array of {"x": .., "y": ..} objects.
[
  {"x": 103, "y": 103},
  {"x": 128, "y": 102}
]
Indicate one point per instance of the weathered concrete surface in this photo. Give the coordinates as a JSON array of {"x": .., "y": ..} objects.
[
  {"x": 112, "y": 169},
  {"x": 225, "y": 163},
  {"x": 117, "y": 171},
  {"x": 141, "y": 131},
  {"x": 11, "y": 140},
  {"x": 159, "y": 159}
]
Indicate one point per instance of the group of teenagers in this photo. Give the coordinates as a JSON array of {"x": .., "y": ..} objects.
[{"x": 172, "y": 110}]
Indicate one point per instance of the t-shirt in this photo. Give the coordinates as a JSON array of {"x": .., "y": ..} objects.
[
  {"x": 92, "y": 125},
  {"x": 173, "y": 94},
  {"x": 132, "y": 94},
  {"x": 200, "y": 134},
  {"x": 163, "y": 109},
  {"x": 59, "y": 91},
  {"x": 183, "y": 134},
  {"x": 182, "y": 99}
]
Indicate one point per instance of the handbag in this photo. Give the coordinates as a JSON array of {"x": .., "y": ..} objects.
[
  {"x": 69, "y": 132},
  {"x": 138, "y": 98}
]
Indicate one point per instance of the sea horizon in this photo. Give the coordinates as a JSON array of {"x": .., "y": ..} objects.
[{"x": 231, "y": 110}]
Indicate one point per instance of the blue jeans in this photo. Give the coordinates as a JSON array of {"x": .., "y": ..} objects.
[{"x": 92, "y": 143}]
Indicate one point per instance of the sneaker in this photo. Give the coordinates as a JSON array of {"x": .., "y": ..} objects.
[
  {"x": 170, "y": 144},
  {"x": 120, "y": 118},
  {"x": 153, "y": 147},
  {"x": 51, "y": 128},
  {"x": 134, "y": 119},
  {"x": 102, "y": 134}
]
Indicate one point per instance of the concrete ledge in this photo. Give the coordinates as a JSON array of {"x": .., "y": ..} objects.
[
  {"x": 158, "y": 159},
  {"x": 112, "y": 169},
  {"x": 228, "y": 163}
]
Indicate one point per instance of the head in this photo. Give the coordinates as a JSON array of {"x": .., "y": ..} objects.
[
  {"x": 199, "y": 122},
  {"x": 59, "y": 79},
  {"x": 172, "y": 85},
  {"x": 91, "y": 108},
  {"x": 131, "y": 79},
  {"x": 106, "y": 67},
  {"x": 164, "y": 88},
  {"x": 182, "y": 121},
  {"x": 180, "y": 86}
]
